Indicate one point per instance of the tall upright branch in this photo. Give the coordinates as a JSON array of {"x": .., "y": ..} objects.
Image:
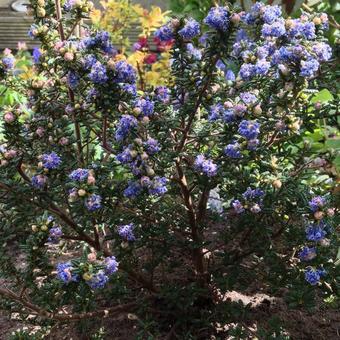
[{"x": 70, "y": 92}]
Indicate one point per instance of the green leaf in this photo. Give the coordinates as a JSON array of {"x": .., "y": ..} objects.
[{"x": 323, "y": 96}]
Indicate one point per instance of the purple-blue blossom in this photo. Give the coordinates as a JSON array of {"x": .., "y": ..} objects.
[
  {"x": 39, "y": 181},
  {"x": 165, "y": 33},
  {"x": 313, "y": 276},
  {"x": 50, "y": 160},
  {"x": 316, "y": 203},
  {"x": 152, "y": 146},
  {"x": 309, "y": 67},
  {"x": 162, "y": 94},
  {"x": 79, "y": 175},
  {"x": 238, "y": 207},
  {"x": 233, "y": 150},
  {"x": 249, "y": 129},
  {"x": 307, "y": 254},
  {"x": 98, "y": 73},
  {"x": 157, "y": 186},
  {"x": 126, "y": 232},
  {"x": 93, "y": 202},
  {"x": 218, "y": 18},
  {"x": 146, "y": 106},
  {"x": 207, "y": 166},
  {"x": 125, "y": 125},
  {"x": 315, "y": 232},
  {"x": 65, "y": 272},
  {"x": 54, "y": 234},
  {"x": 98, "y": 281},
  {"x": 125, "y": 73},
  {"x": 271, "y": 13},
  {"x": 133, "y": 189},
  {"x": 111, "y": 265},
  {"x": 190, "y": 30},
  {"x": 276, "y": 29}
]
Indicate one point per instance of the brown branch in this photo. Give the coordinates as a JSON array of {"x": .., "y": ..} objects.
[{"x": 64, "y": 316}]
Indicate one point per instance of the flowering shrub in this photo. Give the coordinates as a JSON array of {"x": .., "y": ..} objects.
[{"x": 162, "y": 201}]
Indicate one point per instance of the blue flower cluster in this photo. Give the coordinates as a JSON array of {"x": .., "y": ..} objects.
[
  {"x": 50, "y": 161},
  {"x": 145, "y": 106},
  {"x": 289, "y": 44},
  {"x": 316, "y": 233},
  {"x": 65, "y": 272},
  {"x": 218, "y": 18},
  {"x": 252, "y": 200},
  {"x": 316, "y": 203},
  {"x": 111, "y": 265},
  {"x": 313, "y": 276},
  {"x": 79, "y": 175},
  {"x": 100, "y": 40},
  {"x": 165, "y": 33},
  {"x": 39, "y": 181},
  {"x": 206, "y": 166},
  {"x": 307, "y": 253},
  {"x": 93, "y": 202},
  {"x": 54, "y": 234},
  {"x": 98, "y": 280},
  {"x": 98, "y": 73},
  {"x": 190, "y": 30},
  {"x": 162, "y": 94},
  {"x": 8, "y": 62},
  {"x": 126, "y": 232},
  {"x": 249, "y": 129},
  {"x": 125, "y": 125},
  {"x": 125, "y": 73}
]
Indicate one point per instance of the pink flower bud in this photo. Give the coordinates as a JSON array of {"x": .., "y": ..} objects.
[
  {"x": 63, "y": 141},
  {"x": 235, "y": 18},
  {"x": 40, "y": 131},
  {"x": 318, "y": 215},
  {"x": 91, "y": 180},
  {"x": 258, "y": 109},
  {"x": 317, "y": 105},
  {"x": 92, "y": 257},
  {"x": 330, "y": 212},
  {"x": 68, "y": 56},
  {"x": 9, "y": 117}
]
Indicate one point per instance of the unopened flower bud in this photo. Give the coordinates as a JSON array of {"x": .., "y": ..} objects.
[
  {"x": 318, "y": 215},
  {"x": 144, "y": 156},
  {"x": 330, "y": 212},
  {"x": 138, "y": 141},
  {"x": 325, "y": 242},
  {"x": 235, "y": 18},
  {"x": 317, "y": 21},
  {"x": 133, "y": 153},
  {"x": 258, "y": 109},
  {"x": 68, "y": 56},
  {"x": 150, "y": 172},
  {"x": 44, "y": 227},
  {"x": 34, "y": 228},
  {"x": 137, "y": 111},
  {"x": 81, "y": 192},
  {"x": 87, "y": 276},
  {"x": 145, "y": 120},
  {"x": 41, "y": 12},
  {"x": 9, "y": 117},
  {"x": 92, "y": 257},
  {"x": 277, "y": 184},
  {"x": 91, "y": 180},
  {"x": 63, "y": 141}
]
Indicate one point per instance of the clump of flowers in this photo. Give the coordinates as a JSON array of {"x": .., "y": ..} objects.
[{"x": 210, "y": 171}]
